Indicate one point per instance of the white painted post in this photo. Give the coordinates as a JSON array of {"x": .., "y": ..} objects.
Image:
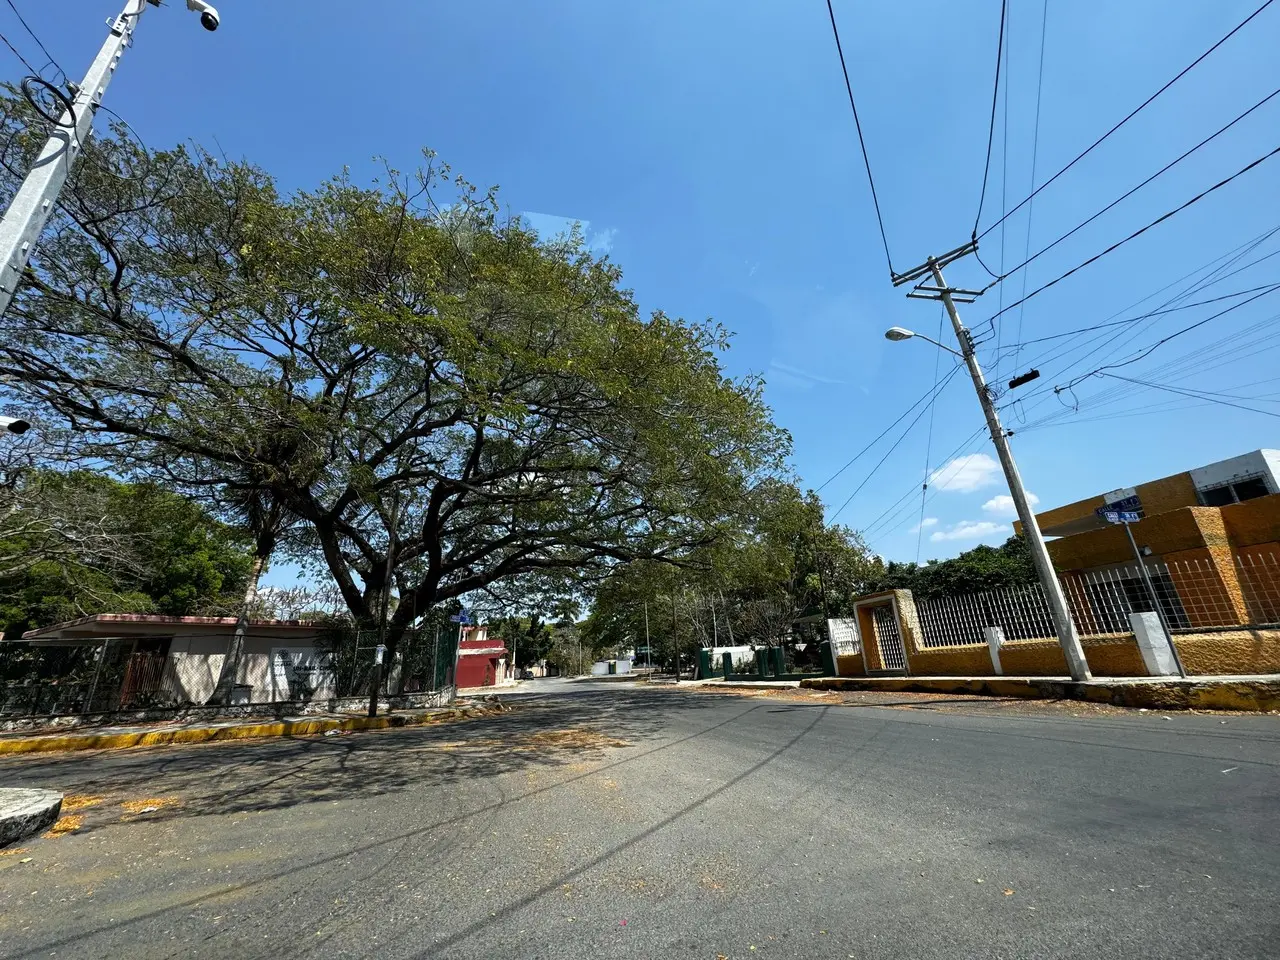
[
  {"x": 995, "y": 640},
  {"x": 1155, "y": 645}
]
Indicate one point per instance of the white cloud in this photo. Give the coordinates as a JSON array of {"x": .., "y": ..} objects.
[
  {"x": 602, "y": 240},
  {"x": 795, "y": 376},
  {"x": 550, "y": 226},
  {"x": 1002, "y": 505},
  {"x": 925, "y": 524},
  {"x": 969, "y": 530},
  {"x": 965, "y": 474}
]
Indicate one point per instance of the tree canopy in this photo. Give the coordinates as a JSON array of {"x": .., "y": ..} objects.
[
  {"x": 80, "y": 543},
  {"x": 982, "y": 568},
  {"x": 437, "y": 402}
]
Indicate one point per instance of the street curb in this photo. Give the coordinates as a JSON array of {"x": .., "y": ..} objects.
[
  {"x": 1175, "y": 694},
  {"x": 24, "y": 812},
  {"x": 247, "y": 731}
]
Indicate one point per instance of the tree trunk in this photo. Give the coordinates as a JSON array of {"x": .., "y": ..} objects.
[{"x": 235, "y": 649}]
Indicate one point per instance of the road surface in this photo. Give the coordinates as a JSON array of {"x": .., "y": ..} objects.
[{"x": 609, "y": 820}]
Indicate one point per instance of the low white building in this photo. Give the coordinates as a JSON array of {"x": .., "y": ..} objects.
[{"x": 147, "y": 659}]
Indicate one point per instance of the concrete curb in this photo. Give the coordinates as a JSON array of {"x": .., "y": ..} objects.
[
  {"x": 1260, "y": 694},
  {"x": 25, "y": 812},
  {"x": 60, "y": 743}
]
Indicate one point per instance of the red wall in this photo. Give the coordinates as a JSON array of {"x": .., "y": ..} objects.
[{"x": 476, "y": 671}]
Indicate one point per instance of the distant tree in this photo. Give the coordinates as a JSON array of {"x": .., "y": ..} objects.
[
  {"x": 982, "y": 568},
  {"x": 79, "y": 543}
]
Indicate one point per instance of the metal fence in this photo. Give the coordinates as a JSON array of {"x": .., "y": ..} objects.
[
  {"x": 1260, "y": 585},
  {"x": 1189, "y": 595},
  {"x": 1022, "y": 612},
  {"x": 844, "y": 636}
]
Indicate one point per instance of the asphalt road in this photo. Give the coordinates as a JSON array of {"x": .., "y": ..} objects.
[{"x": 613, "y": 821}]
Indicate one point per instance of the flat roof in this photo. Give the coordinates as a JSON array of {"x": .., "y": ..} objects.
[{"x": 119, "y": 623}]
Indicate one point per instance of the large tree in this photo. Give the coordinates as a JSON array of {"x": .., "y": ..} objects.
[{"x": 442, "y": 401}]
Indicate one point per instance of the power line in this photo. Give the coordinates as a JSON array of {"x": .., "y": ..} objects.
[
  {"x": 1119, "y": 199},
  {"x": 1035, "y": 151},
  {"x": 1182, "y": 73},
  {"x": 928, "y": 444},
  {"x": 1214, "y": 277},
  {"x": 892, "y": 519},
  {"x": 925, "y": 396},
  {"x": 1137, "y": 233},
  {"x": 39, "y": 43},
  {"x": 867, "y": 479},
  {"x": 861, "y": 142},
  {"x": 1194, "y": 395},
  {"x": 1153, "y": 313},
  {"x": 25, "y": 62},
  {"x": 1177, "y": 333},
  {"x": 991, "y": 129}
]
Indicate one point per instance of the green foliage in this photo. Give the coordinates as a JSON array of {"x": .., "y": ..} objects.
[
  {"x": 406, "y": 378},
  {"x": 771, "y": 564},
  {"x": 982, "y": 568},
  {"x": 93, "y": 544}
]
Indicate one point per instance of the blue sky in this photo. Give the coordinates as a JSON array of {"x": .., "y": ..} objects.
[{"x": 709, "y": 148}]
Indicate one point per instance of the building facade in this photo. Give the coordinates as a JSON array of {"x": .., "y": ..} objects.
[{"x": 1209, "y": 538}]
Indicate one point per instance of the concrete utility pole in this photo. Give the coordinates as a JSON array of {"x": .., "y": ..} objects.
[
  {"x": 1063, "y": 624},
  {"x": 33, "y": 203},
  {"x": 1067, "y": 637}
]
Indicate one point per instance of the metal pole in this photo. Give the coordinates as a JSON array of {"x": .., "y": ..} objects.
[
  {"x": 375, "y": 680},
  {"x": 675, "y": 636},
  {"x": 1066, "y": 629},
  {"x": 1155, "y": 601},
  {"x": 648, "y": 651},
  {"x": 435, "y": 662},
  {"x": 97, "y": 672},
  {"x": 33, "y": 203}
]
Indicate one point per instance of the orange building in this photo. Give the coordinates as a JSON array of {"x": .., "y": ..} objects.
[{"x": 1210, "y": 538}]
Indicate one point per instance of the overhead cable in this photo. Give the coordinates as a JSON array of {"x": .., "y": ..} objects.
[
  {"x": 1182, "y": 73},
  {"x": 875, "y": 200}
]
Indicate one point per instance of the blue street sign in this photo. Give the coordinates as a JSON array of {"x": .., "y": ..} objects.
[
  {"x": 1119, "y": 516},
  {"x": 1125, "y": 504},
  {"x": 463, "y": 617}
]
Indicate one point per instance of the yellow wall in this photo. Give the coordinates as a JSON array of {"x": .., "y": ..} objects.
[
  {"x": 1205, "y": 653},
  {"x": 1158, "y": 496},
  {"x": 1253, "y": 522},
  {"x": 1178, "y": 530},
  {"x": 1227, "y": 652},
  {"x": 1210, "y": 653},
  {"x": 850, "y": 665},
  {"x": 1168, "y": 493}
]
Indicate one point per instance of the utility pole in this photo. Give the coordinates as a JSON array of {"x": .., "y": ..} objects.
[
  {"x": 1063, "y": 624},
  {"x": 31, "y": 206}
]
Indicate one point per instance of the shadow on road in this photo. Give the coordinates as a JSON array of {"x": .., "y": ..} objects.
[
  {"x": 285, "y": 773},
  {"x": 541, "y": 733}
]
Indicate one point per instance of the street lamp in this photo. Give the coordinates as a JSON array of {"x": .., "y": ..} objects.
[
  {"x": 898, "y": 334},
  {"x": 14, "y": 425},
  {"x": 1068, "y": 639}
]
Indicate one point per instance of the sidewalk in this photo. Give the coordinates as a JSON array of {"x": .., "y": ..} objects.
[
  {"x": 1254, "y": 693},
  {"x": 204, "y": 731}
]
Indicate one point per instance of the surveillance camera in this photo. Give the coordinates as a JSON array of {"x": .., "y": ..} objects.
[
  {"x": 209, "y": 18},
  {"x": 14, "y": 425}
]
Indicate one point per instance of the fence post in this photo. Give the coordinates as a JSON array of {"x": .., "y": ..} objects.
[
  {"x": 995, "y": 640},
  {"x": 1155, "y": 645}
]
